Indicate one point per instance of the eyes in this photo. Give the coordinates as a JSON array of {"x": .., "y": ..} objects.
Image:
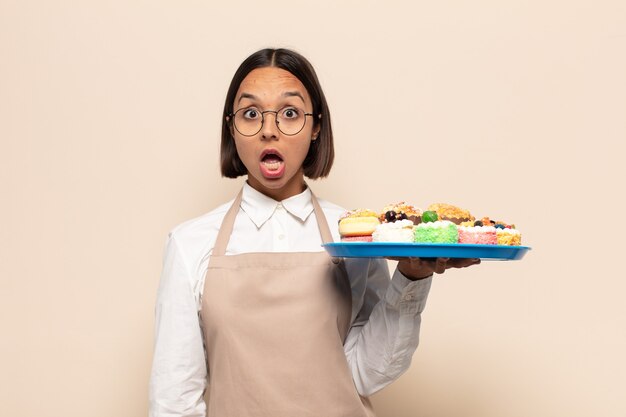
[
  {"x": 290, "y": 120},
  {"x": 289, "y": 112}
]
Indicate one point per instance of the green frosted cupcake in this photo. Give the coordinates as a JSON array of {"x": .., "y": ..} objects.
[{"x": 443, "y": 231}]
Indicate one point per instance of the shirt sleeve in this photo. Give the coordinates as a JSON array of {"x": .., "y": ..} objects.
[
  {"x": 385, "y": 334},
  {"x": 179, "y": 374}
]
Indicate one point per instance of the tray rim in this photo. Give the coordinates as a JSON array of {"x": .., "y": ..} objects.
[{"x": 339, "y": 249}]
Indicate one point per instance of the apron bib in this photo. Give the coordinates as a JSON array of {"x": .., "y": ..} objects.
[{"x": 274, "y": 325}]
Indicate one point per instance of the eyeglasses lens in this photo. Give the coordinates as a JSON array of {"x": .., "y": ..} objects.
[{"x": 249, "y": 121}]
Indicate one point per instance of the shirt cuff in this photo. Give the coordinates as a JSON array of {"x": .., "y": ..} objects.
[{"x": 406, "y": 295}]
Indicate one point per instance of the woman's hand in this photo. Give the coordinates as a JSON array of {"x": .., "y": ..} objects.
[{"x": 420, "y": 268}]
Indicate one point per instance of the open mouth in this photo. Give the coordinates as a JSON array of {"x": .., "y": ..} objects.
[{"x": 272, "y": 164}]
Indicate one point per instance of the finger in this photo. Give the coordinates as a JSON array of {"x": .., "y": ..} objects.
[
  {"x": 440, "y": 265},
  {"x": 422, "y": 265},
  {"x": 428, "y": 259},
  {"x": 429, "y": 263},
  {"x": 463, "y": 263}
]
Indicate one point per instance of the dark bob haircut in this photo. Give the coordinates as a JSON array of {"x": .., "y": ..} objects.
[{"x": 319, "y": 160}]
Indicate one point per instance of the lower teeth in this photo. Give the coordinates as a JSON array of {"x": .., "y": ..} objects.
[{"x": 272, "y": 166}]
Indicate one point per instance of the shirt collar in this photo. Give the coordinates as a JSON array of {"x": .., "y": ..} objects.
[{"x": 260, "y": 207}]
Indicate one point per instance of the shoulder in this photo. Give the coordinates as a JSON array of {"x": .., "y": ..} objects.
[{"x": 331, "y": 211}]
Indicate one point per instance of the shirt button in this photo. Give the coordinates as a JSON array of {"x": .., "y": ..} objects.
[
  {"x": 408, "y": 297},
  {"x": 281, "y": 236},
  {"x": 279, "y": 207}
]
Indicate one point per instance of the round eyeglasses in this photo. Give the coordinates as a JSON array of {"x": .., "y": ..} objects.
[{"x": 249, "y": 120}]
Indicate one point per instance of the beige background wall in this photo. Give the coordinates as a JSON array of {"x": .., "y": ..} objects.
[{"x": 109, "y": 124}]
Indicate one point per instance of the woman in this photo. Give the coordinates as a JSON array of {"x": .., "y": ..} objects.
[{"x": 249, "y": 306}]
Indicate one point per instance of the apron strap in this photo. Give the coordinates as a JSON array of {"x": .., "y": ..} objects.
[
  {"x": 223, "y": 236},
  {"x": 227, "y": 227},
  {"x": 322, "y": 224}
]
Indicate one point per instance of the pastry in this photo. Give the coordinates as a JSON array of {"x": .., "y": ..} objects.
[
  {"x": 441, "y": 223},
  {"x": 358, "y": 225},
  {"x": 451, "y": 213},
  {"x": 508, "y": 236},
  {"x": 400, "y": 211},
  {"x": 398, "y": 231},
  {"x": 484, "y": 235},
  {"x": 441, "y": 231}
]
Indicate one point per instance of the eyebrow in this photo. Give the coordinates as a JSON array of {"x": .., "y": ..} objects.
[
  {"x": 246, "y": 95},
  {"x": 285, "y": 94},
  {"x": 293, "y": 94}
]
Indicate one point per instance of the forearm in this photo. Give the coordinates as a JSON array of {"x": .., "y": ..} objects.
[{"x": 381, "y": 349}]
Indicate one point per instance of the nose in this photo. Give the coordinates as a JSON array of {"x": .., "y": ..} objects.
[{"x": 269, "y": 129}]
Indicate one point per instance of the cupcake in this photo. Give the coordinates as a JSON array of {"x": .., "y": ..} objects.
[
  {"x": 398, "y": 231},
  {"x": 440, "y": 231}
]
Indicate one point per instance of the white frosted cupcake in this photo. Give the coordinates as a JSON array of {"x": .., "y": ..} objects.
[{"x": 398, "y": 231}]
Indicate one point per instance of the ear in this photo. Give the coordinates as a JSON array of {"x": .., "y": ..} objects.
[
  {"x": 230, "y": 127},
  {"x": 316, "y": 129}
]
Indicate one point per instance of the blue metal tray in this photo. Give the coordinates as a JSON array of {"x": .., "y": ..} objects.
[{"x": 425, "y": 250}]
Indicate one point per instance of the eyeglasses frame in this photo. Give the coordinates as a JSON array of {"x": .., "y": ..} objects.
[{"x": 231, "y": 117}]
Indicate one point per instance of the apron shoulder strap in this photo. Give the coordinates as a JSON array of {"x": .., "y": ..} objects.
[
  {"x": 322, "y": 224},
  {"x": 227, "y": 226}
]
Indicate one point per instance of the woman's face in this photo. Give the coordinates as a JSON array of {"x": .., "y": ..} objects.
[{"x": 273, "y": 159}]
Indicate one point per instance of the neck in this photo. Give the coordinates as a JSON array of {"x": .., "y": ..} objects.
[{"x": 295, "y": 186}]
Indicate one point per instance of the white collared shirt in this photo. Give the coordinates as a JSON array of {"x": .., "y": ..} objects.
[{"x": 385, "y": 313}]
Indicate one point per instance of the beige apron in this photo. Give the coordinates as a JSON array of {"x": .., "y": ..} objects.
[{"x": 274, "y": 326}]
